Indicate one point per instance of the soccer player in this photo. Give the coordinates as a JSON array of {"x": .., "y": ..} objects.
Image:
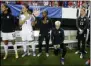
[
  {"x": 44, "y": 27},
  {"x": 57, "y": 37},
  {"x": 25, "y": 21},
  {"x": 81, "y": 24},
  {"x": 8, "y": 29}
]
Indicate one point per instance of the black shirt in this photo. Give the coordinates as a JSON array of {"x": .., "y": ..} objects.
[
  {"x": 7, "y": 23},
  {"x": 45, "y": 28},
  {"x": 82, "y": 23},
  {"x": 57, "y": 36}
]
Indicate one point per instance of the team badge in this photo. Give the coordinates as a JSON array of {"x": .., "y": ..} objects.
[
  {"x": 7, "y": 16},
  {"x": 47, "y": 21},
  {"x": 84, "y": 19},
  {"x": 59, "y": 32},
  {"x": 81, "y": 19}
]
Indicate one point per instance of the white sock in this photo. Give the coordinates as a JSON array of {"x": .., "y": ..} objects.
[
  {"x": 15, "y": 49},
  {"x": 24, "y": 46},
  {"x": 6, "y": 49},
  {"x": 33, "y": 48},
  {"x": 28, "y": 49}
]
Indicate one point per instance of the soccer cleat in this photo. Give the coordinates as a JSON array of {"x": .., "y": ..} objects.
[
  {"x": 39, "y": 54},
  {"x": 16, "y": 55},
  {"x": 77, "y": 52},
  {"x": 25, "y": 53},
  {"x": 81, "y": 56},
  {"x": 62, "y": 61},
  {"x": 5, "y": 56},
  {"x": 47, "y": 54}
]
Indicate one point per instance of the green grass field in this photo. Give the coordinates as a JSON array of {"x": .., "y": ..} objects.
[{"x": 70, "y": 60}]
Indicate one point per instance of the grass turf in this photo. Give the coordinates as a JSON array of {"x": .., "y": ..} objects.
[{"x": 70, "y": 60}]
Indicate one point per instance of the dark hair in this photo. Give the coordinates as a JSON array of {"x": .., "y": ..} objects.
[
  {"x": 27, "y": 6},
  {"x": 9, "y": 10}
]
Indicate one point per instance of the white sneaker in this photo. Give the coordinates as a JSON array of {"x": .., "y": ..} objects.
[
  {"x": 29, "y": 53},
  {"x": 5, "y": 56},
  {"x": 39, "y": 54},
  {"x": 81, "y": 56},
  {"x": 34, "y": 54},
  {"x": 76, "y": 52},
  {"x": 47, "y": 54},
  {"x": 24, "y": 54}
]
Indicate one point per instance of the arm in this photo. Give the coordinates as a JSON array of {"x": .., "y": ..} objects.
[
  {"x": 52, "y": 37},
  {"x": 50, "y": 25},
  {"x": 77, "y": 24},
  {"x": 33, "y": 20},
  {"x": 62, "y": 36},
  {"x": 22, "y": 21},
  {"x": 87, "y": 23}
]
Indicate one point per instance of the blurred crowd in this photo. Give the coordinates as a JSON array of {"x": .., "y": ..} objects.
[{"x": 66, "y": 4}]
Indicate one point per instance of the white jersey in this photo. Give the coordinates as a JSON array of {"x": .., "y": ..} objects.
[
  {"x": 27, "y": 30},
  {"x": 27, "y": 25}
]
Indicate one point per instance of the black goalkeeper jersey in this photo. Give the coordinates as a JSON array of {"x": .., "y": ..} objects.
[
  {"x": 45, "y": 28},
  {"x": 82, "y": 23},
  {"x": 57, "y": 36}
]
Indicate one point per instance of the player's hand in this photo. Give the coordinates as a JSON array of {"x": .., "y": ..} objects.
[
  {"x": 55, "y": 46},
  {"x": 58, "y": 46}
]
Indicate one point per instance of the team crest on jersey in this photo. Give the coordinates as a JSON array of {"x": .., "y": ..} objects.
[
  {"x": 81, "y": 19},
  {"x": 36, "y": 11},
  {"x": 7, "y": 16},
  {"x": 47, "y": 21},
  {"x": 59, "y": 32}
]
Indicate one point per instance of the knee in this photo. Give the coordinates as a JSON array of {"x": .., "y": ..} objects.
[{"x": 13, "y": 41}]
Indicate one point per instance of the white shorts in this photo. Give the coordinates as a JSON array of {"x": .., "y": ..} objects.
[
  {"x": 8, "y": 36},
  {"x": 26, "y": 35}
]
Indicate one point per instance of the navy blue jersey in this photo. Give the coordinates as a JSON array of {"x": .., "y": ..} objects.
[
  {"x": 82, "y": 23},
  {"x": 45, "y": 28},
  {"x": 7, "y": 23},
  {"x": 57, "y": 36}
]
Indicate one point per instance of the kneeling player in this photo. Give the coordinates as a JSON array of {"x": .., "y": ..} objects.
[
  {"x": 7, "y": 28},
  {"x": 57, "y": 37},
  {"x": 27, "y": 30}
]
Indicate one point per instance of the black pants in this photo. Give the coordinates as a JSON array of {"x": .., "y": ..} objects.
[
  {"x": 62, "y": 48},
  {"x": 41, "y": 38},
  {"x": 81, "y": 39}
]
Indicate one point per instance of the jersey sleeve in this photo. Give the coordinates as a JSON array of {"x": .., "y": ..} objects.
[
  {"x": 32, "y": 18},
  {"x": 62, "y": 35},
  {"x": 87, "y": 23}
]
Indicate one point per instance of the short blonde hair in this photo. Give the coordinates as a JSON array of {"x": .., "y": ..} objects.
[{"x": 57, "y": 22}]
